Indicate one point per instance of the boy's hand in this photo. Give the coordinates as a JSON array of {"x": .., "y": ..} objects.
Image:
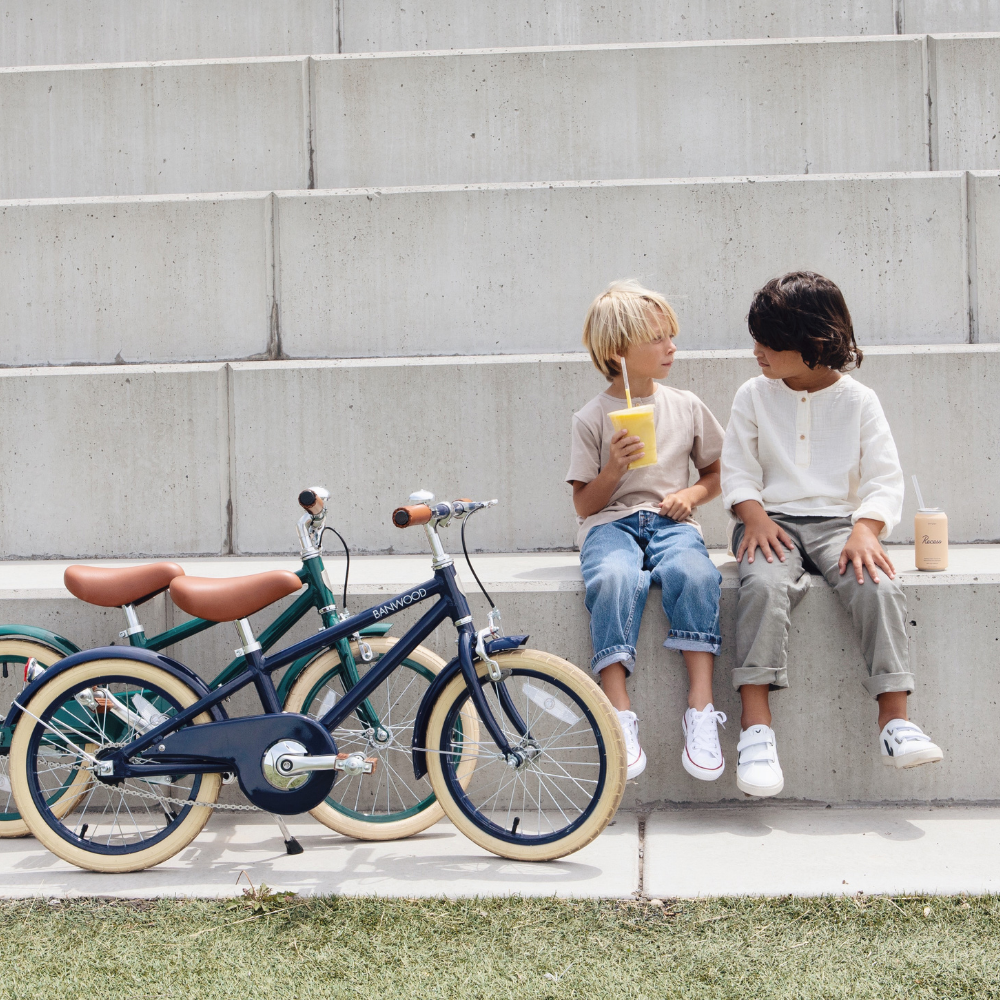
[
  {"x": 760, "y": 532},
  {"x": 676, "y": 506},
  {"x": 624, "y": 449},
  {"x": 864, "y": 551}
]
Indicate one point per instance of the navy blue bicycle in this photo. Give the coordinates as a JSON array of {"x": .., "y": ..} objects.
[{"x": 521, "y": 748}]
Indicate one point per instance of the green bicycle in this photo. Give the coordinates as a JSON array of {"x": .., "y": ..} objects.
[{"x": 387, "y": 805}]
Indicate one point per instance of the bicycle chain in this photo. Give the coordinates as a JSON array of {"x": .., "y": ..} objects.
[{"x": 219, "y": 806}]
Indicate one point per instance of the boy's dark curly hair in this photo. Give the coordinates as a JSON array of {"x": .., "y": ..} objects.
[{"x": 805, "y": 312}]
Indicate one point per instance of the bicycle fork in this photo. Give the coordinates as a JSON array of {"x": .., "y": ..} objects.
[{"x": 515, "y": 756}]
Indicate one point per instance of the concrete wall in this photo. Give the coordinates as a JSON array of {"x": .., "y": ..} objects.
[
  {"x": 984, "y": 258},
  {"x": 148, "y": 459},
  {"x": 155, "y": 129},
  {"x": 374, "y": 432},
  {"x": 825, "y": 704},
  {"x": 602, "y": 113},
  {"x": 138, "y": 279},
  {"x": 124, "y": 460},
  {"x": 500, "y": 116},
  {"x": 479, "y": 270},
  {"x": 512, "y": 269},
  {"x": 390, "y": 25},
  {"x": 48, "y": 32},
  {"x": 965, "y": 79},
  {"x": 949, "y": 15}
]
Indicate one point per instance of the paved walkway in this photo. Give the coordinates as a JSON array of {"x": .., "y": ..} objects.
[{"x": 758, "y": 849}]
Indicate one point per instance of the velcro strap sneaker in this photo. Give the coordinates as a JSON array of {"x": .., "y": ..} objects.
[
  {"x": 904, "y": 744},
  {"x": 757, "y": 769}
]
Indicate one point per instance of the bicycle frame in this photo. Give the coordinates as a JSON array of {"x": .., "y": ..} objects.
[
  {"x": 451, "y": 603},
  {"x": 317, "y": 595}
]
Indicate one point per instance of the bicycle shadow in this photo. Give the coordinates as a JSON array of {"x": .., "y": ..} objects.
[{"x": 428, "y": 864}]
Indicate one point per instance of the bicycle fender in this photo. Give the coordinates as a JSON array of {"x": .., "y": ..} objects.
[
  {"x": 42, "y": 635},
  {"x": 437, "y": 685},
  {"x": 180, "y": 671}
]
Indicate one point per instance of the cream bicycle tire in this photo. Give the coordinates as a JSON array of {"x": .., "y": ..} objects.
[
  {"x": 174, "y": 842},
  {"x": 532, "y": 662},
  {"x": 341, "y": 821},
  {"x": 15, "y": 646}
]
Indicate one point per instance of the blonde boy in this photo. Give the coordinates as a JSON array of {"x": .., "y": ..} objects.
[{"x": 636, "y": 525}]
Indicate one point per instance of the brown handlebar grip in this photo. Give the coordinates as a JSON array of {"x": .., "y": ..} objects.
[{"x": 406, "y": 517}]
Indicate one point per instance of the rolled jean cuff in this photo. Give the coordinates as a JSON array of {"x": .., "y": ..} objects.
[
  {"x": 695, "y": 642},
  {"x": 774, "y": 677},
  {"x": 624, "y": 655},
  {"x": 884, "y": 683}
]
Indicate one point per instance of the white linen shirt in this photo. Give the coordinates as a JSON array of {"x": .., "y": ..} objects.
[{"x": 828, "y": 453}]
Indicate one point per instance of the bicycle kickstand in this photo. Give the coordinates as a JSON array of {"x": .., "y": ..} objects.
[{"x": 292, "y": 846}]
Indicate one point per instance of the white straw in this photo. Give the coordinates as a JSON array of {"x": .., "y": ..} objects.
[
  {"x": 628, "y": 394},
  {"x": 920, "y": 499}
]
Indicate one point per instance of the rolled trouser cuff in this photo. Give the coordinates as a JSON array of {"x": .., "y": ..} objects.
[
  {"x": 625, "y": 655},
  {"x": 775, "y": 677},
  {"x": 901, "y": 680},
  {"x": 695, "y": 642}
]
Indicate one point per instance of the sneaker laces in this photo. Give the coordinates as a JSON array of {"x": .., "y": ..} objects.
[{"x": 701, "y": 735}]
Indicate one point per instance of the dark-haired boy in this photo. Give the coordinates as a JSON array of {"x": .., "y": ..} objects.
[{"x": 810, "y": 470}]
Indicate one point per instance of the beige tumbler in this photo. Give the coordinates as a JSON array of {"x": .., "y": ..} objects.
[{"x": 930, "y": 529}]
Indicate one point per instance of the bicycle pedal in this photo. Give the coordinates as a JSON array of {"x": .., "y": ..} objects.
[{"x": 355, "y": 763}]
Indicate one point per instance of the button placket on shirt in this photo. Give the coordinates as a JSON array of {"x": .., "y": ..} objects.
[{"x": 803, "y": 420}]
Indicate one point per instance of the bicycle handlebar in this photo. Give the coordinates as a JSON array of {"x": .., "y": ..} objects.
[
  {"x": 422, "y": 513},
  {"x": 313, "y": 500}
]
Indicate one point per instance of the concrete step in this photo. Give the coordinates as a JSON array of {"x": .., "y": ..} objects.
[
  {"x": 54, "y": 32},
  {"x": 391, "y": 25},
  {"x": 83, "y": 31},
  {"x": 501, "y": 115},
  {"x": 825, "y": 721},
  {"x": 206, "y": 459},
  {"x": 485, "y": 269}
]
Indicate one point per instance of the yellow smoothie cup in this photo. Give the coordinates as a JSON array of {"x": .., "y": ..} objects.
[{"x": 638, "y": 421}]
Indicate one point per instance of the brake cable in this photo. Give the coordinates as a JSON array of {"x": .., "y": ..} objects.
[
  {"x": 347, "y": 552},
  {"x": 465, "y": 520}
]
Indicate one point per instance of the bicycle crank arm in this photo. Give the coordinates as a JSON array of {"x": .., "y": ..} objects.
[{"x": 349, "y": 763}]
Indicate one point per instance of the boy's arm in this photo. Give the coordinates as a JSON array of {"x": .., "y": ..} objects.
[
  {"x": 681, "y": 504},
  {"x": 742, "y": 475},
  {"x": 589, "y": 498},
  {"x": 881, "y": 478},
  {"x": 743, "y": 484},
  {"x": 760, "y": 532},
  {"x": 881, "y": 495}
]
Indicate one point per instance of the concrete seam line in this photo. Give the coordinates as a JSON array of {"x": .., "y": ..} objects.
[
  {"x": 971, "y": 263},
  {"x": 274, "y": 351},
  {"x": 930, "y": 98},
  {"x": 339, "y": 6},
  {"x": 230, "y": 485},
  {"x": 897, "y": 15},
  {"x": 310, "y": 120}
]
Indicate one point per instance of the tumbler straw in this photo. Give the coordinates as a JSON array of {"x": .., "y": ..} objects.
[
  {"x": 628, "y": 394},
  {"x": 920, "y": 499}
]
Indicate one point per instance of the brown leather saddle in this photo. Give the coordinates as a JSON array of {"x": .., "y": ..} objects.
[{"x": 222, "y": 600}]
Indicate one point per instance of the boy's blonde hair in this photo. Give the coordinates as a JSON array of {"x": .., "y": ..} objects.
[{"x": 621, "y": 316}]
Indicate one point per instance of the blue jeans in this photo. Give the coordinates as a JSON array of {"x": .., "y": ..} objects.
[{"x": 619, "y": 561}]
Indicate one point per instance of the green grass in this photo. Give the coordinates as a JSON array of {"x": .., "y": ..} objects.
[{"x": 910, "y": 947}]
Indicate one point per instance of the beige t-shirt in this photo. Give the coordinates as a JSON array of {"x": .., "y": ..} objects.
[{"x": 686, "y": 431}]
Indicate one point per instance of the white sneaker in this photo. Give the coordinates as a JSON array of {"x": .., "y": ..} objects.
[
  {"x": 702, "y": 756},
  {"x": 905, "y": 744},
  {"x": 757, "y": 769},
  {"x": 634, "y": 753}
]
